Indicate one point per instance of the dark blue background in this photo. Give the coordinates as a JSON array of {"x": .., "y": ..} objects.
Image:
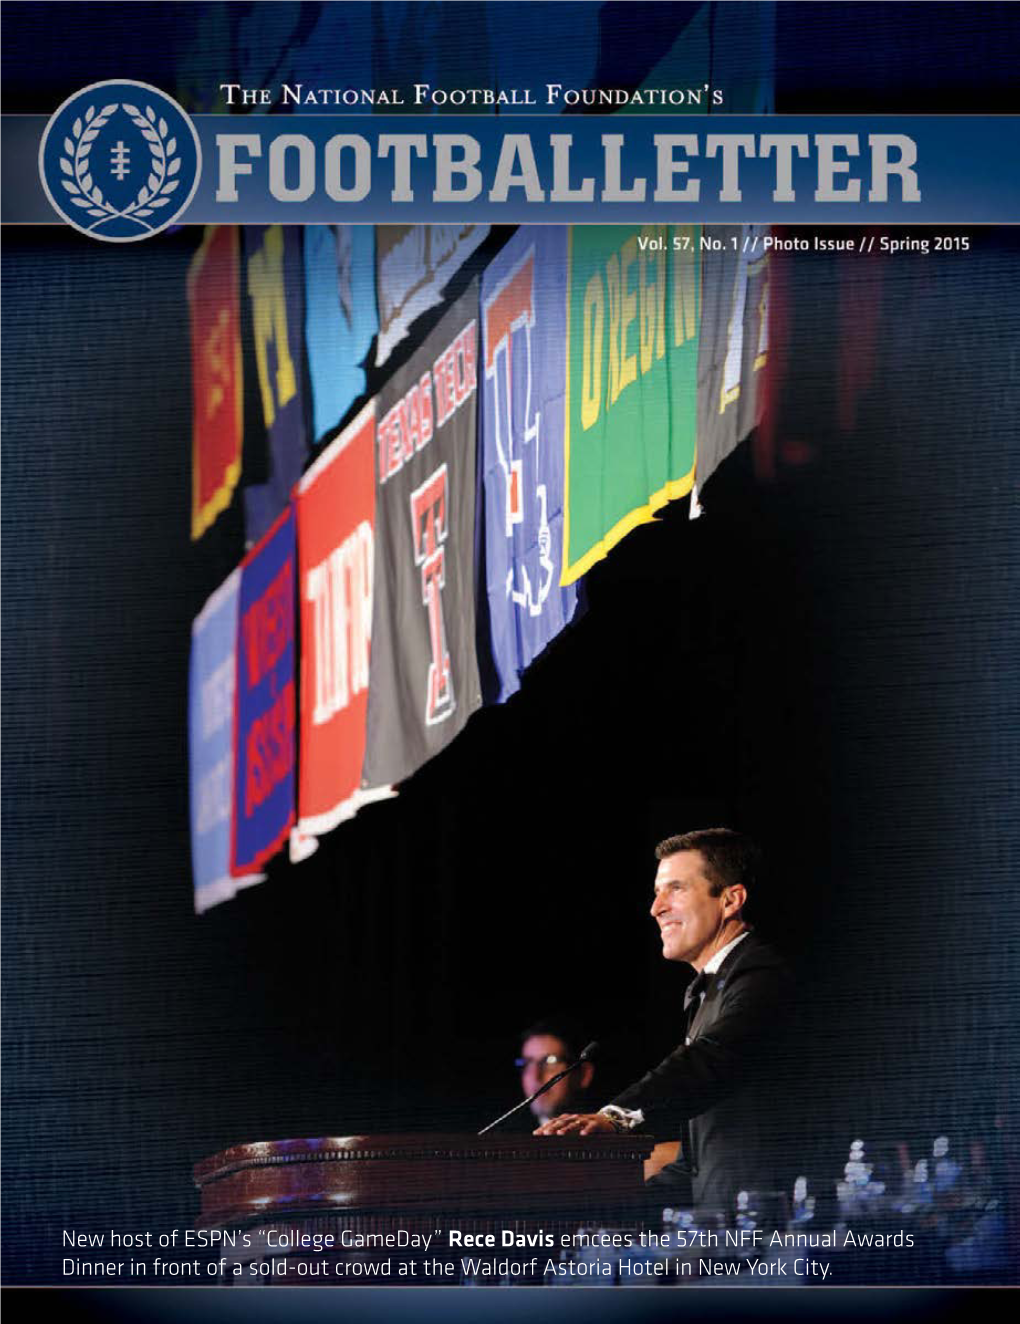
[{"x": 827, "y": 659}]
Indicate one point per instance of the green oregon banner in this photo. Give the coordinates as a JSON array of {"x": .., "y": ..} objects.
[{"x": 633, "y": 311}]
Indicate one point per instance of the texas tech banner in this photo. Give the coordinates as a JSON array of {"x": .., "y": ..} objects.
[
  {"x": 214, "y": 280},
  {"x": 424, "y": 678},
  {"x": 264, "y": 723},
  {"x": 336, "y": 517},
  {"x": 632, "y": 346},
  {"x": 734, "y": 341},
  {"x": 523, "y": 371}
]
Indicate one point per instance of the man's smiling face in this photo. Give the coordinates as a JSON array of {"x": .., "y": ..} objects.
[{"x": 689, "y": 917}]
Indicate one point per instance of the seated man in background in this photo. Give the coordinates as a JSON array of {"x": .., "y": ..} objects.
[{"x": 547, "y": 1047}]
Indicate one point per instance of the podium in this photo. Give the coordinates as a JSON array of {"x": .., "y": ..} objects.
[{"x": 329, "y": 1209}]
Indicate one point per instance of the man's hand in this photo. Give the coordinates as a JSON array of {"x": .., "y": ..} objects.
[{"x": 570, "y": 1124}]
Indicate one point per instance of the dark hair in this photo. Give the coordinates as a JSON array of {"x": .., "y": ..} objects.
[
  {"x": 568, "y": 1033},
  {"x": 729, "y": 856}
]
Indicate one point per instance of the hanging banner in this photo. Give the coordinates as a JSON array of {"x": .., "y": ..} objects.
[
  {"x": 336, "y": 53},
  {"x": 340, "y": 318},
  {"x": 561, "y": 64},
  {"x": 275, "y": 288},
  {"x": 632, "y": 357},
  {"x": 735, "y": 45},
  {"x": 424, "y": 680},
  {"x": 264, "y": 725},
  {"x": 413, "y": 264},
  {"x": 524, "y": 340},
  {"x": 861, "y": 288},
  {"x": 213, "y": 288},
  {"x": 417, "y": 47},
  {"x": 722, "y": 61},
  {"x": 211, "y": 747},
  {"x": 734, "y": 341},
  {"x": 335, "y": 505}
]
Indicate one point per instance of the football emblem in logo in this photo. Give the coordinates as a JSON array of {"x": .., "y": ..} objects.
[{"x": 120, "y": 161}]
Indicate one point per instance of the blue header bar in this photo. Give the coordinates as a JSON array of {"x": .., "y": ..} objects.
[{"x": 842, "y": 169}]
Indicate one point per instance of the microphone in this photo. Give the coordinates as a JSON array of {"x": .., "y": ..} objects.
[{"x": 585, "y": 1055}]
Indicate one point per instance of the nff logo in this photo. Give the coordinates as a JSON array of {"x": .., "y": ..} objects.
[{"x": 120, "y": 160}]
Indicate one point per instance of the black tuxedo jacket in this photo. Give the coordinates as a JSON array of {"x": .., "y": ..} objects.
[{"x": 726, "y": 1083}]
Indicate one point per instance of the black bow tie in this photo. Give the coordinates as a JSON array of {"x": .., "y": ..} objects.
[{"x": 694, "y": 990}]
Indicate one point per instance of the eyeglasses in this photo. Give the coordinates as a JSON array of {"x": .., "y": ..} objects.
[{"x": 550, "y": 1060}]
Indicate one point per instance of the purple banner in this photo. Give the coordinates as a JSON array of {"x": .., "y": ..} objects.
[{"x": 524, "y": 362}]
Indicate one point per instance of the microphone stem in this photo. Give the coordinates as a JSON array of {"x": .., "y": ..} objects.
[{"x": 532, "y": 1097}]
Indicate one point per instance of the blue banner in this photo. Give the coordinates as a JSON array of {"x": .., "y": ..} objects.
[
  {"x": 211, "y": 745},
  {"x": 264, "y": 749},
  {"x": 340, "y": 317},
  {"x": 524, "y": 340},
  {"x": 565, "y": 58}
]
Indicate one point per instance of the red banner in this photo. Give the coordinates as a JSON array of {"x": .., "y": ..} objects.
[
  {"x": 336, "y": 535},
  {"x": 214, "y": 304}
]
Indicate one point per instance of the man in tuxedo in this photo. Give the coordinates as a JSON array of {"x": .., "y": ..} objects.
[{"x": 720, "y": 1084}]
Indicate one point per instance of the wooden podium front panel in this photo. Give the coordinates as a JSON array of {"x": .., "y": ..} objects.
[{"x": 419, "y": 1174}]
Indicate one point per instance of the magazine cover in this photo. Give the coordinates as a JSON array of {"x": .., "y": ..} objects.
[{"x": 510, "y": 693}]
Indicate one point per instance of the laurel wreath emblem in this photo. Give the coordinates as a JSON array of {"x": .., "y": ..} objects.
[{"x": 164, "y": 164}]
